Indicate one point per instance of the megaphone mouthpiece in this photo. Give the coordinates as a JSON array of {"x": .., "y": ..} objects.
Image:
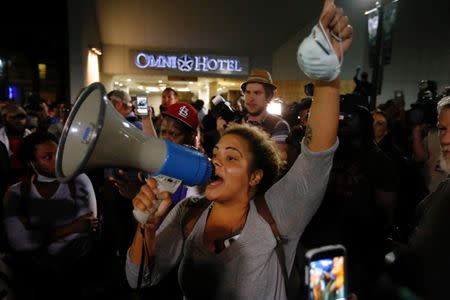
[{"x": 188, "y": 164}]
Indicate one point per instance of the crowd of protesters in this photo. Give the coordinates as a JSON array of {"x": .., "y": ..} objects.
[
  {"x": 387, "y": 161},
  {"x": 72, "y": 240}
]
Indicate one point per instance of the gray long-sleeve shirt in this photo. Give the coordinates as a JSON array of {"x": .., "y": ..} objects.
[{"x": 249, "y": 268}]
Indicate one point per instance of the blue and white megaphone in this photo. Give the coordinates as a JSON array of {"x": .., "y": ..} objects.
[{"x": 97, "y": 136}]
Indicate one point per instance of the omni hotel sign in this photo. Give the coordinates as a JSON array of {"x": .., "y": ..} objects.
[{"x": 192, "y": 63}]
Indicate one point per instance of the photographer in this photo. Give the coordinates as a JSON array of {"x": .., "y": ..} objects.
[
  {"x": 422, "y": 119},
  {"x": 363, "y": 86},
  {"x": 224, "y": 113},
  {"x": 421, "y": 264},
  {"x": 297, "y": 113},
  {"x": 423, "y": 111}
]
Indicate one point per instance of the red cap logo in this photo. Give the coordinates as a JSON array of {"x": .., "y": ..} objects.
[{"x": 183, "y": 112}]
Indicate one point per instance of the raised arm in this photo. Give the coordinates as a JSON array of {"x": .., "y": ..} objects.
[
  {"x": 303, "y": 187},
  {"x": 322, "y": 125}
]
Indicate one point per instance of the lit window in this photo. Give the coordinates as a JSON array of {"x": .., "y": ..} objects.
[{"x": 42, "y": 71}]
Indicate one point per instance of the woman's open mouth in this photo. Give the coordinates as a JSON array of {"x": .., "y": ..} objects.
[{"x": 215, "y": 180}]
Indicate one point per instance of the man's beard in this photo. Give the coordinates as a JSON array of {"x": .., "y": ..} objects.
[
  {"x": 444, "y": 163},
  {"x": 256, "y": 112}
]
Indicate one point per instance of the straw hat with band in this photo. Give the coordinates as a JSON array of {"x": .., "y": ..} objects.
[{"x": 259, "y": 76}]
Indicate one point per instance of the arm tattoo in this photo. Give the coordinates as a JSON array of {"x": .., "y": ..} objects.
[{"x": 308, "y": 135}]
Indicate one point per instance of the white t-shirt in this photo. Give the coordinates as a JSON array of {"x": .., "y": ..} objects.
[{"x": 46, "y": 214}]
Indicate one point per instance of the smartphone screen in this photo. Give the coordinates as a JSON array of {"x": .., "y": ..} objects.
[
  {"x": 142, "y": 105},
  {"x": 326, "y": 273}
]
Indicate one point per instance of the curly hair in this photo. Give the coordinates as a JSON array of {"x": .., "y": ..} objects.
[{"x": 265, "y": 155}]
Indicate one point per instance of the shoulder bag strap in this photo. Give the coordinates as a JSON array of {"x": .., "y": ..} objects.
[{"x": 264, "y": 211}]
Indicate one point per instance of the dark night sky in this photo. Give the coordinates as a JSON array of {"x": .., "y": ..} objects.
[
  {"x": 37, "y": 26},
  {"x": 31, "y": 33}
]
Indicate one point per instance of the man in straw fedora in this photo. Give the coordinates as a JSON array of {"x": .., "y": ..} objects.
[{"x": 258, "y": 91}]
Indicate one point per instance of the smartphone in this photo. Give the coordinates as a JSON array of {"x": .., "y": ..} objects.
[
  {"x": 142, "y": 105},
  {"x": 326, "y": 273}
]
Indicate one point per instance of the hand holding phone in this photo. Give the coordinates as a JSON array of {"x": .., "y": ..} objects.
[
  {"x": 142, "y": 105},
  {"x": 325, "y": 273}
]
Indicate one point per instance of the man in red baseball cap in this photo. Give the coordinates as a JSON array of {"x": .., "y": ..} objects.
[{"x": 179, "y": 124}]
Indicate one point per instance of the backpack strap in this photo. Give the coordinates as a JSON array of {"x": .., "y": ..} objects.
[
  {"x": 264, "y": 211},
  {"x": 25, "y": 189}
]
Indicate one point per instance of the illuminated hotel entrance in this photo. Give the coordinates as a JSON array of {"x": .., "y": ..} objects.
[
  {"x": 194, "y": 76},
  {"x": 188, "y": 88}
]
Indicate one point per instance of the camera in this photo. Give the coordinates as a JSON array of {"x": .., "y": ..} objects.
[
  {"x": 423, "y": 111},
  {"x": 292, "y": 112},
  {"x": 309, "y": 89},
  {"x": 223, "y": 109},
  {"x": 350, "y": 103}
]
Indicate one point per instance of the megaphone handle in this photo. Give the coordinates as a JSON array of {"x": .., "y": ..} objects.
[
  {"x": 155, "y": 207},
  {"x": 142, "y": 216},
  {"x": 165, "y": 184}
]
